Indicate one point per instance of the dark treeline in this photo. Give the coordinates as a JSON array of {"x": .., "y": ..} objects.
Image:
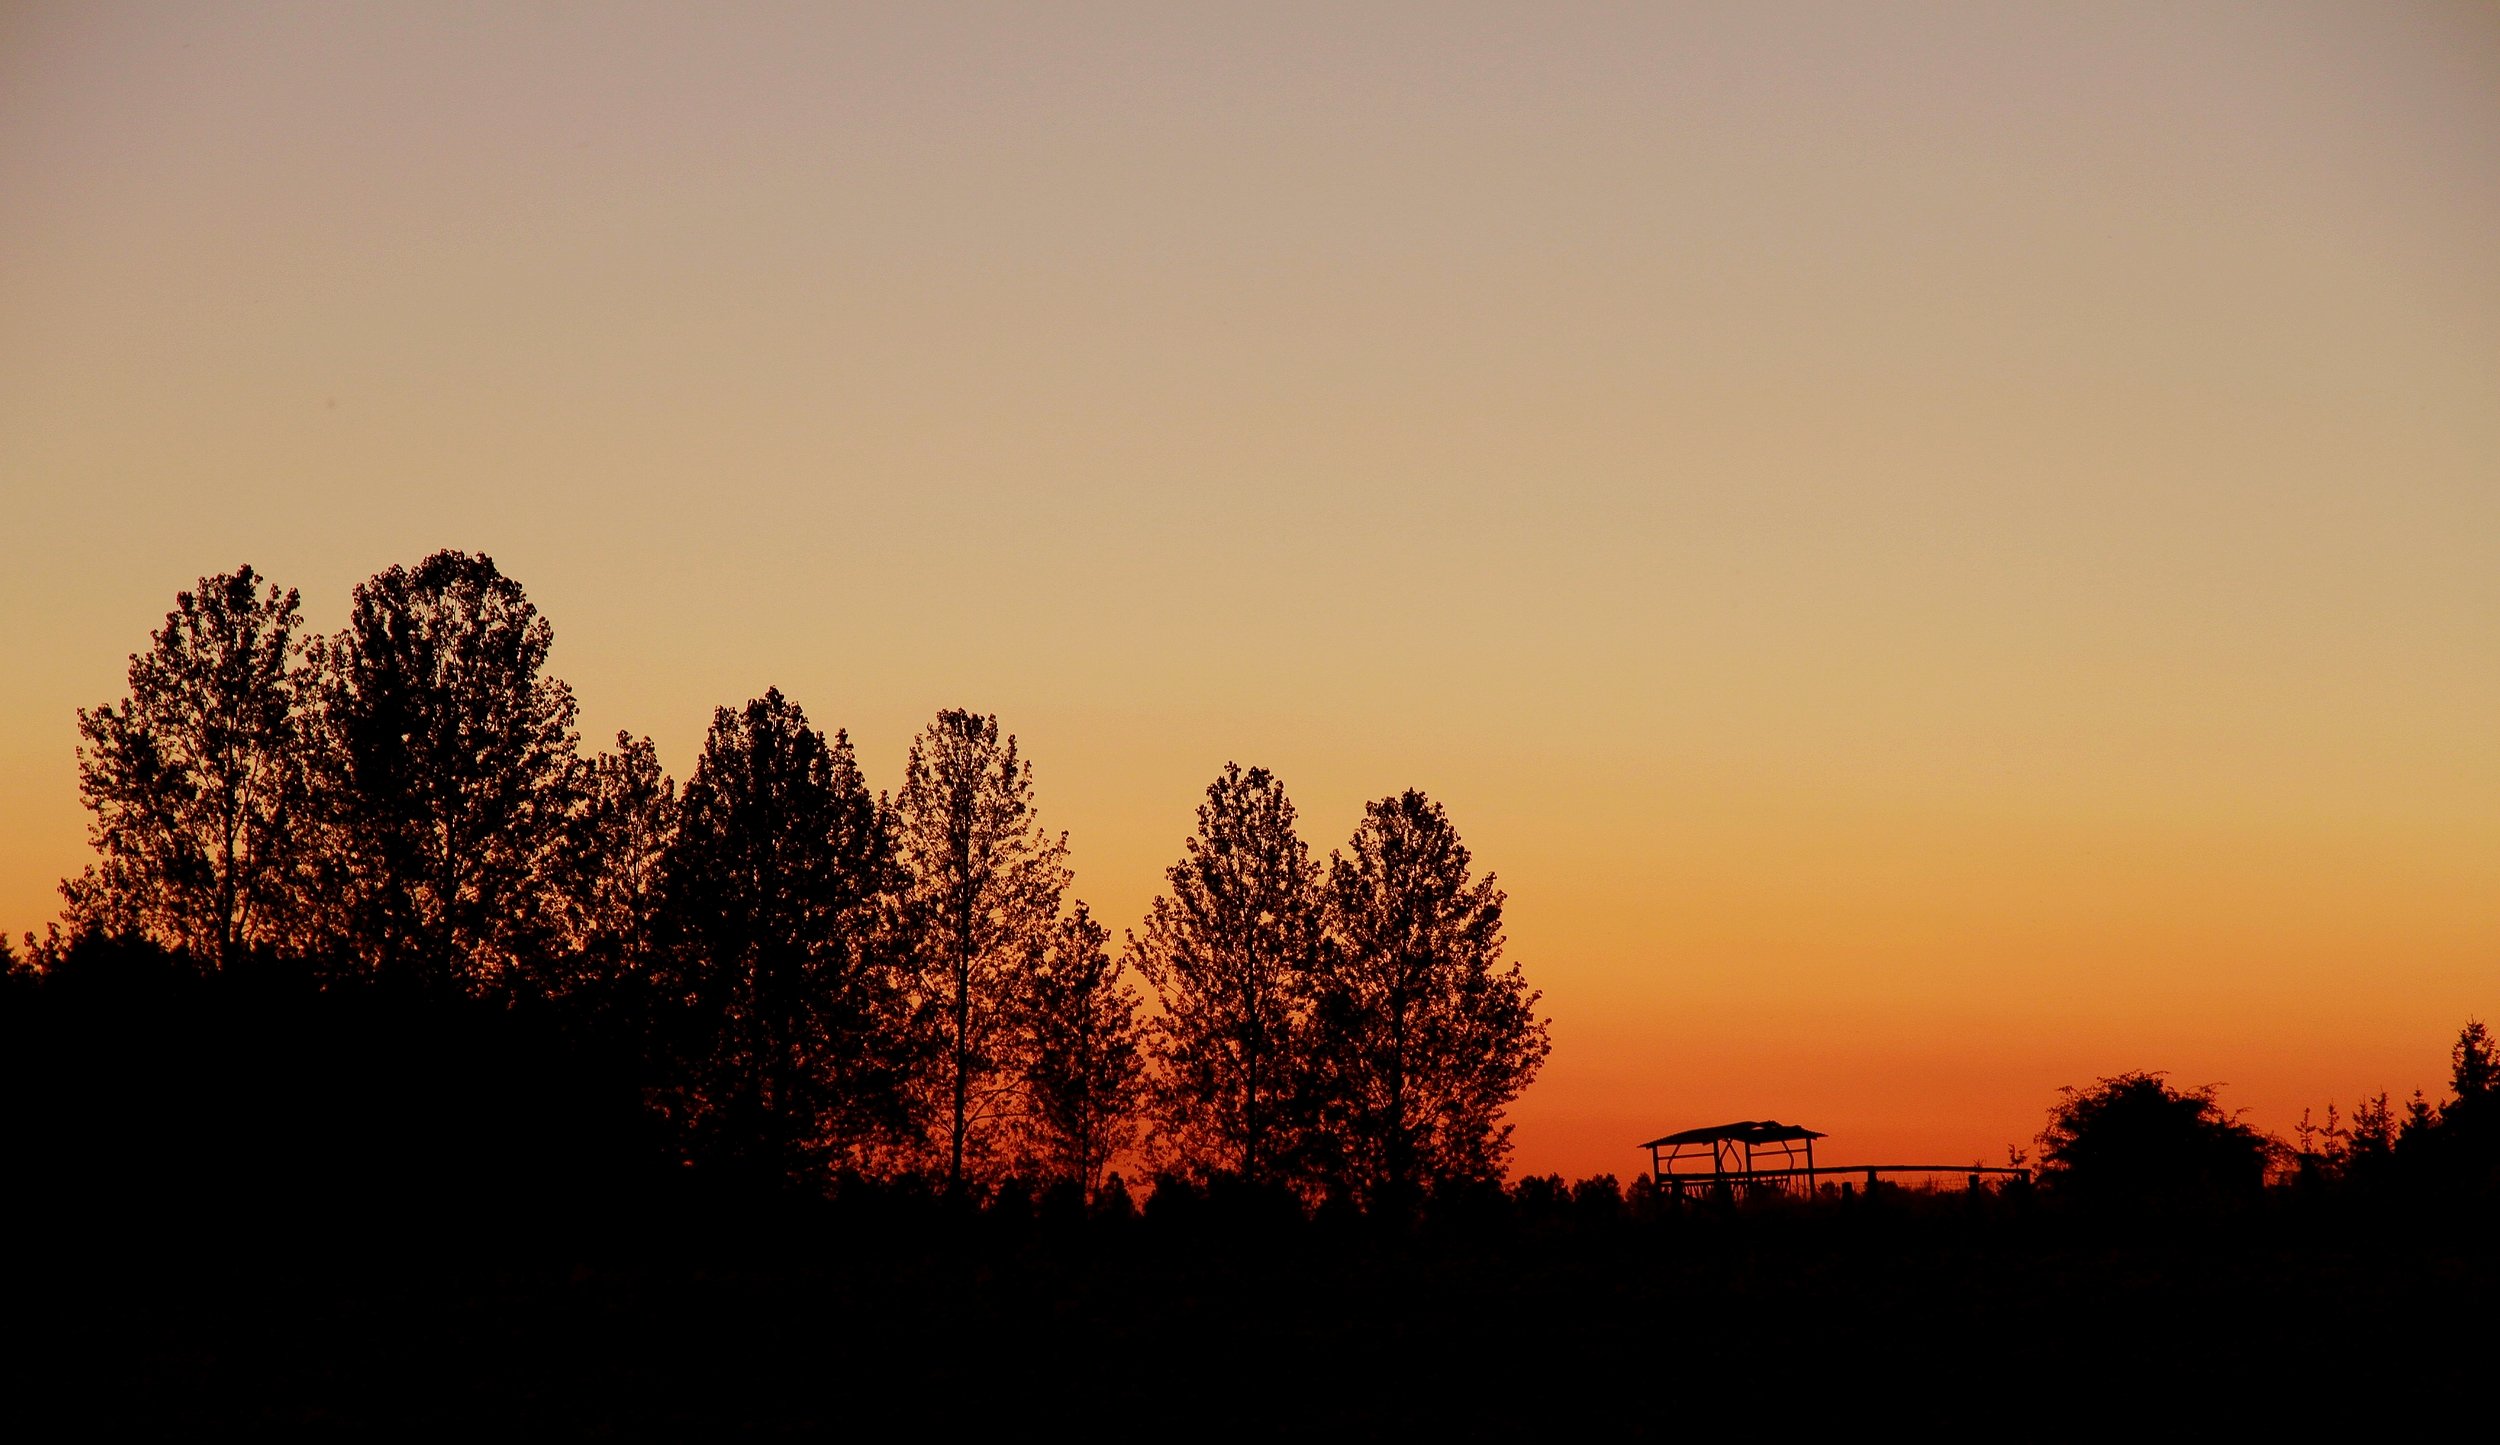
[
  {"x": 365, "y": 1210},
  {"x": 400, "y": 1067},
  {"x": 379, "y": 869},
  {"x": 803, "y": 983}
]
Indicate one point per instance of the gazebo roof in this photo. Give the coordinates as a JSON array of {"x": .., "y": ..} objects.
[{"x": 1748, "y": 1131}]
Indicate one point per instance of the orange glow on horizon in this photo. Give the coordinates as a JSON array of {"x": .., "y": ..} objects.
[{"x": 1940, "y": 552}]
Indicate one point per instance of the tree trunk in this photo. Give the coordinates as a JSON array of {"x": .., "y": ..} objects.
[{"x": 963, "y": 1015}]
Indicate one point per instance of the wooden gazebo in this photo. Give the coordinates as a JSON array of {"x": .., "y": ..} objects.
[
  {"x": 1752, "y": 1154},
  {"x": 1765, "y": 1156}
]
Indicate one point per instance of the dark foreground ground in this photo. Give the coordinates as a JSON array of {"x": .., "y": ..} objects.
[
  {"x": 2001, "y": 1318},
  {"x": 256, "y": 1204}
]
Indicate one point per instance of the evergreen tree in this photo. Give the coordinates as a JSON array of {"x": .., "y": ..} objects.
[
  {"x": 2469, "y": 1125},
  {"x": 780, "y": 999},
  {"x": 2421, "y": 1122},
  {"x": 1084, "y": 1046},
  {"x": 2474, "y": 1073},
  {"x": 1422, "y": 1035},
  {"x": 2371, "y": 1141},
  {"x": 448, "y": 759},
  {"x": 982, "y": 897},
  {"x": 1231, "y": 950},
  {"x": 196, "y": 779}
]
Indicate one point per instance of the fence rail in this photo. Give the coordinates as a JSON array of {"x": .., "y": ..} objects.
[{"x": 1872, "y": 1172}]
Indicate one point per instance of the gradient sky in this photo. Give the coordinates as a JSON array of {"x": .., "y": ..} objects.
[{"x": 1940, "y": 551}]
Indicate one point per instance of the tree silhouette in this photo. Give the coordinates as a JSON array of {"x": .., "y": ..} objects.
[
  {"x": 196, "y": 779},
  {"x": 2466, "y": 1139},
  {"x": 981, "y": 901},
  {"x": 610, "y": 867},
  {"x": 1084, "y": 1050},
  {"x": 448, "y": 759},
  {"x": 2370, "y": 1141},
  {"x": 1421, "y": 1033},
  {"x": 781, "y": 1001},
  {"x": 2133, "y": 1138},
  {"x": 2421, "y": 1121},
  {"x": 1230, "y": 950},
  {"x": 2474, "y": 1065}
]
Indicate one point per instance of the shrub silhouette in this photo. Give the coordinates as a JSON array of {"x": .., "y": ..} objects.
[{"x": 2134, "y": 1139}]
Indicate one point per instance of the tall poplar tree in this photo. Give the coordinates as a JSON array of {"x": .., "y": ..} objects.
[
  {"x": 981, "y": 902},
  {"x": 448, "y": 758},
  {"x": 1084, "y": 1051},
  {"x": 1422, "y": 1034},
  {"x": 782, "y": 1008},
  {"x": 1231, "y": 949},
  {"x": 196, "y": 779}
]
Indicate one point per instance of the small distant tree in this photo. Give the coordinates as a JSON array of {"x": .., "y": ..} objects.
[
  {"x": 1084, "y": 1052},
  {"x": 983, "y": 883},
  {"x": 1598, "y": 1198},
  {"x": 2134, "y": 1138},
  {"x": 2321, "y": 1150},
  {"x": 448, "y": 761},
  {"x": 2370, "y": 1140},
  {"x": 780, "y": 1000},
  {"x": 1231, "y": 949},
  {"x": 196, "y": 779},
  {"x": 1539, "y": 1197},
  {"x": 1421, "y": 1033},
  {"x": 2421, "y": 1121}
]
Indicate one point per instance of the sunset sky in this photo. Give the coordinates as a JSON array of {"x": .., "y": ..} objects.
[{"x": 1939, "y": 551}]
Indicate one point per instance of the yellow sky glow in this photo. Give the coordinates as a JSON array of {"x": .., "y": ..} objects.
[{"x": 1940, "y": 551}]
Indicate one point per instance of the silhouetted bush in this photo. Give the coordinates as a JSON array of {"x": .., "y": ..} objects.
[
  {"x": 1536, "y": 1198},
  {"x": 1598, "y": 1200},
  {"x": 2133, "y": 1139}
]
